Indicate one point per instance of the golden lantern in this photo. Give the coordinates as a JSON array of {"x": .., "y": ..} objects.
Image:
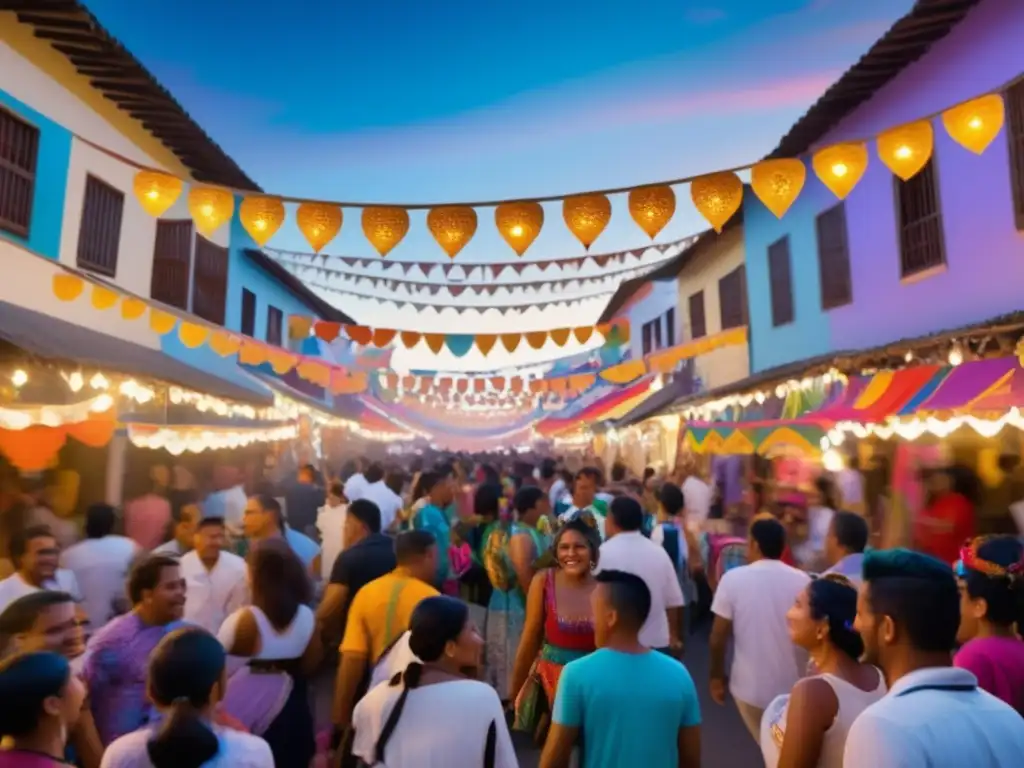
[
  {"x": 452, "y": 226},
  {"x": 906, "y": 149},
  {"x": 778, "y": 183},
  {"x": 840, "y": 167},
  {"x": 652, "y": 207},
  {"x": 319, "y": 223},
  {"x": 974, "y": 124},
  {"x": 157, "y": 192},
  {"x": 519, "y": 224},
  {"x": 385, "y": 226},
  {"x": 717, "y": 197},
  {"x": 586, "y": 216},
  {"x": 211, "y": 207},
  {"x": 261, "y": 216}
]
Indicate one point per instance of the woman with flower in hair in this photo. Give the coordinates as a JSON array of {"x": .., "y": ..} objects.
[
  {"x": 991, "y": 577},
  {"x": 808, "y": 726}
]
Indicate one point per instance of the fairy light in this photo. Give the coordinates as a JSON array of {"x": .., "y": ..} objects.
[
  {"x": 99, "y": 381},
  {"x": 708, "y": 411},
  {"x": 19, "y": 379}
]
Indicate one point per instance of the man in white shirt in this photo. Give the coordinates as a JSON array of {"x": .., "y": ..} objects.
[
  {"x": 697, "y": 496},
  {"x": 750, "y": 605},
  {"x": 184, "y": 521},
  {"x": 627, "y": 549},
  {"x": 100, "y": 564},
  {"x": 388, "y": 502},
  {"x": 330, "y": 522},
  {"x": 217, "y": 582},
  {"x": 229, "y": 502},
  {"x": 355, "y": 486},
  {"x": 35, "y": 555},
  {"x": 908, "y": 613}
]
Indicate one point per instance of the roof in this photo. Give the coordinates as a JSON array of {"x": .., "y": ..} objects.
[
  {"x": 906, "y": 41},
  {"x": 113, "y": 71},
  {"x": 54, "y": 339},
  {"x": 323, "y": 309}
]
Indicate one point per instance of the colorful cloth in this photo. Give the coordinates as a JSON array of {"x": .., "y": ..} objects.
[{"x": 436, "y": 521}]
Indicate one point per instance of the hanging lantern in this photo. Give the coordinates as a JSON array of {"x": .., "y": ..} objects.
[
  {"x": 778, "y": 183},
  {"x": 586, "y": 216},
  {"x": 906, "y": 149},
  {"x": 976, "y": 123},
  {"x": 519, "y": 224},
  {"x": 261, "y": 216},
  {"x": 452, "y": 226},
  {"x": 384, "y": 227},
  {"x": 157, "y": 192},
  {"x": 210, "y": 207},
  {"x": 717, "y": 197},
  {"x": 840, "y": 167},
  {"x": 319, "y": 223},
  {"x": 652, "y": 207}
]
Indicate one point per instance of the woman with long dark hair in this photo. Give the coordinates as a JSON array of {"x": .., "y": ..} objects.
[
  {"x": 808, "y": 726},
  {"x": 277, "y": 635},
  {"x": 431, "y": 716},
  {"x": 186, "y": 683}
]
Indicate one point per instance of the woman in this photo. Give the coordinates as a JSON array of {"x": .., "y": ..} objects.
[
  {"x": 40, "y": 701},
  {"x": 991, "y": 574},
  {"x": 808, "y": 726},
  {"x": 277, "y": 635},
  {"x": 559, "y": 625},
  {"x": 947, "y": 520},
  {"x": 824, "y": 501},
  {"x": 431, "y": 716},
  {"x": 186, "y": 682}
]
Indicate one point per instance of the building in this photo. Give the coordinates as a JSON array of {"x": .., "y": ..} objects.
[{"x": 898, "y": 259}]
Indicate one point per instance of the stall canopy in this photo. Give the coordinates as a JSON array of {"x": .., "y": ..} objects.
[{"x": 612, "y": 406}]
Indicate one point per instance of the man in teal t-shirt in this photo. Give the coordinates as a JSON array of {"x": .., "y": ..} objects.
[
  {"x": 635, "y": 706},
  {"x": 440, "y": 490}
]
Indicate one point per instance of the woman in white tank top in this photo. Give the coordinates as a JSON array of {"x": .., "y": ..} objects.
[{"x": 809, "y": 725}]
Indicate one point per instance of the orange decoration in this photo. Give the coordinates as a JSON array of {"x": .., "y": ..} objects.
[
  {"x": 479, "y": 385},
  {"x": 299, "y": 327},
  {"x": 281, "y": 361},
  {"x": 96, "y": 432},
  {"x": 515, "y": 385},
  {"x": 452, "y": 227},
  {"x": 360, "y": 334},
  {"x": 261, "y": 216},
  {"x": 586, "y": 216},
  {"x": 519, "y": 224},
  {"x": 103, "y": 298},
  {"x": 538, "y": 386},
  {"x": 383, "y": 336},
  {"x": 558, "y": 386},
  {"x": 624, "y": 373},
  {"x": 161, "y": 322},
  {"x": 32, "y": 449},
  {"x": 498, "y": 382},
  {"x": 717, "y": 197},
  {"x": 314, "y": 372},
  {"x": 560, "y": 336},
  {"x": 192, "y": 335},
  {"x": 583, "y": 333},
  {"x": 132, "y": 308},
  {"x": 485, "y": 343},
  {"x": 778, "y": 183},
  {"x": 224, "y": 344},
  {"x": 252, "y": 353},
  {"x": 461, "y": 386},
  {"x": 435, "y": 341},
  {"x": 582, "y": 381},
  {"x": 652, "y": 207},
  {"x": 409, "y": 383},
  {"x": 326, "y": 331},
  {"x": 385, "y": 227},
  {"x": 67, "y": 287},
  {"x": 511, "y": 341},
  {"x": 537, "y": 339},
  {"x": 319, "y": 223},
  {"x": 410, "y": 338}
]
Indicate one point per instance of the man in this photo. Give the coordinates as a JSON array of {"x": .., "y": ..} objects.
[
  {"x": 264, "y": 520},
  {"x": 185, "y": 520},
  {"x": 532, "y": 506},
  {"x": 35, "y": 555},
  {"x": 388, "y": 502},
  {"x": 618, "y": 486},
  {"x": 369, "y": 554},
  {"x": 379, "y": 616},
  {"x": 228, "y": 501},
  {"x": 584, "y": 500},
  {"x": 100, "y": 564},
  {"x": 627, "y": 549},
  {"x": 355, "y": 483},
  {"x": 433, "y": 518},
  {"x": 750, "y": 605},
  {"x": 633, "y": 706},
  {"x": 146, "y": 517},
  {"x": 42, "y": 492},
  {"x": 216, "y": 582},
  {"x": 845, "y": 544},
  {"x": 117, "y": 658},
  {"x": 330, "y": 524},
  {"x": 302, "y": 499},
  {"x": 908, "y": 613},
  {"x": 698, "y": 496}
]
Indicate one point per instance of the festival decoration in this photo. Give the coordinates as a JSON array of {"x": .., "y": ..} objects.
[
  {"x": 840, "y": 167},
  {"x": 778, "y": 183},
  {"x": 652, "y": 207},
  {"x": 452, "y": 226},
  {"x": 319, "y": 223},
  {"x": 157, "y": 192},
  {"x": 211, "y": 208},
  {"x": 974, "y": 124},
  {"x": 717, "y": 197},
  {"x": 906, "y": 149},
  {"x": 385, "y": 227},
  {"x": 586, "y": 216},
  {"x": 261, "y": 216},
  {"x": 519, "y": 224}
]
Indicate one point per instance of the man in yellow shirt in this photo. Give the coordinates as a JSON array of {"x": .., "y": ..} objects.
[{"x": 379, "y": 615}]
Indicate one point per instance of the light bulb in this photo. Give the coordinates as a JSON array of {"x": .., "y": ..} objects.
[
  {"x": 516, "y": 231},
  {"x": 19, "y": 378},
  {"x": 207, "y": 210},
  {"x": 975, "y": 123},
  {"x": 955, "y": 356},
  {"x": 75, "y": 382},
  {"x": 903, "y": 152},
  {"x": 839, "y": 170},
  {"x": 98, "y": 381}
]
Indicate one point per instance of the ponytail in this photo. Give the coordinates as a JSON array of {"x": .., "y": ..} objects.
[
  {"x": 184, "y": 739},
  {"x": 409, "y": 680}
]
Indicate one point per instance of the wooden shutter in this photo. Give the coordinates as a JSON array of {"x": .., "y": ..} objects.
[
  {"x": 732, "y": 299},
  {"x": 19, "y": 150},
  {"x": 698, "y": 322},
  {"x": 99, "y": 233},
  {"x": 248, "y": 312},
  {"x": 172, "y": 262},
  {"x": 921, "y": 240},
  {"x": 834, "y": 258},
  {"x": 1015, "y": 134},
  {"x": 275, "y": 323},
  {"x": 210, "y": 283},
  {"x": 781, "y": 282},
  {"x": 670, "y": 327}
]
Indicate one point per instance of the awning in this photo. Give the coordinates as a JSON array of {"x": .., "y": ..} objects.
[
  {"x": 873, "y": 399},
  {"x": 54, "y": 339},
  {"x": 613, "y": 406},
  {"x": 977, "y": 386}
]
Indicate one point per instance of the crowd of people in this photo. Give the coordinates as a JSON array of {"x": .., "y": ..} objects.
[{"x": 416, "y": 617}]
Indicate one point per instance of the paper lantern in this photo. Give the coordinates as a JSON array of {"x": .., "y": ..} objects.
[
  {"x": 157, "y": 192},
  {"x": 717, "y": 197},
  {"x": 976, "y": 123},
  {"x": 67, "y": 287},
  {"x": 210, "y": 207},
  {"x": 586, "y": 216},
  {"x": 261, "y": 216},
  {"x": 319, "y": 223},
  {"x": 906, "y": 149},
  {"x": 652, "y": 207},
  {"x": 384, "y": 227},
  {"x": 777, "y": 183},
  {"x": 840, "y": 167},
  {"x": 519, "y": 224},
  {"x": 452, "y": 227}
]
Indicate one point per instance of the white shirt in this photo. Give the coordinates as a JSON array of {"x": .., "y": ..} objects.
[
  {"x": 697, "y": 501},
  {"x": 330, "y": 522},
  {"x": 388, "y": 502},
  {"x": 397, "y": 659},
  {"x": 277, "y": 644},
  {"x": 304, "y": 547},
  {"x": 756, "y": 598},
  {"x": 101, "y": 568},
  {"x": 213, "y": 595},
  {"x": 229, "y": 505},
  {"x": 172, "y": 548},
  {"x": 634, "y": 553},
  {"x": 919, "y": 724},
  {"x": 355, "y": 487},
  {"x": 237, "y": 750},
  {"x": 557, "y": 492},
  {"x": 443, "y": 725},
  {"x": 14, "y": 587},
  {"x": 851, "y": 487}
]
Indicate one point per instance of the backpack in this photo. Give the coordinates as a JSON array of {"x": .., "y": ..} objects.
[{"x": 495, "y": 558}]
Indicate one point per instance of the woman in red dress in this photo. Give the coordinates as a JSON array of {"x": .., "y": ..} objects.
[{"x": 947, "y": 520}]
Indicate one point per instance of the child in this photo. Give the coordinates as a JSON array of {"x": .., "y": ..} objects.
[{"x": 460, "y": 555}]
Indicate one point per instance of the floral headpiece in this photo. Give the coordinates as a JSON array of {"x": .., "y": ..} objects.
[{"x": 971, "y": 561}]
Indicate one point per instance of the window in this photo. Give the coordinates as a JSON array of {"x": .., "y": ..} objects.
[
  {"x": 651, "y": 333},
  {"x": 1015, "y": 133},
  {"x": 248, "y": 312},
  {"x": 698, "y": 323},
  {"x": 99, "y": 234},
  {"x": 210, "y": 281},
  {"x": 19, "y": 148},
  {"x": 834, "y": 258},
  {"x": 780, "y": 282},
  {"x": 732, "y": 298},
  {"x": 172, "y": 262},
  {"x": 670, "y": 327},
  {"x": 275, "y": 321},
  {"x": 917, "y": 206}
]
